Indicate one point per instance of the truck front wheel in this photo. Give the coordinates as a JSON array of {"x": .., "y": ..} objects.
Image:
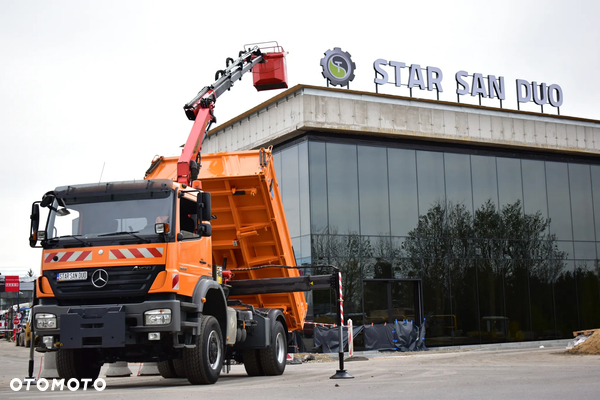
[
  {"x": 273, "y": 358},
  {"x": 76, "y": 363},
  {"x": 203, "y": 363}
]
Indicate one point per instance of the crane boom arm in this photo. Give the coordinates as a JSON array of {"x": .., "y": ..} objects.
[{"x": 200, "y": 110}]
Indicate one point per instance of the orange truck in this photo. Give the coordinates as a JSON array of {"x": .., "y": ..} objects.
[{"x": 190, "y": 267}]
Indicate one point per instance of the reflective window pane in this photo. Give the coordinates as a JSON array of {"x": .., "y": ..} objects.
[
  {"x": 586, "y": 275},
  {"x": 305, "y": 243},
  {"x": 457, "y": 168},
  {"x": 565, "y": 295},
  {"x": 430, "y": 178},
  {"x": 342, "y": 188},
  {"x": 404, "y": 208},
  {"x": 585, "y": 250},
  {"x": 485, "y": 184},
  {"x": 291, "y": 189},
  {"x": 373, "y": 184},
  {"x": 564, "y": 250},
  {"x": 510, "y": 188},
  {"x": 596, "y": 194},
  {"x": 303, "y": 174},
  {"x": 559, "y": 204},
  {"x": 318, "y": 187},
  {"x": 534, "y": 187},
  {"x": 582, "y": 207},
  {"x": 277, "y": 164}
]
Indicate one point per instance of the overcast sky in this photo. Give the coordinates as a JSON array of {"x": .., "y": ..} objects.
[{"x": 92, "y": 90}]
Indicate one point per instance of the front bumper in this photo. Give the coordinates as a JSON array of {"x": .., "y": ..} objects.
[{"x": 106, "y": 326}]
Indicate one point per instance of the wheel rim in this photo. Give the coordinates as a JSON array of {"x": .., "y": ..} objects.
[
  {"x": 214, "y": 350},
  {"x": 280, "y": 348}
]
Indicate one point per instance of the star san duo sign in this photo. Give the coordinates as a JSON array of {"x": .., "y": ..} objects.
[
  {"x": 338, "y": 69},
  {"x": 479, "y": 85}
]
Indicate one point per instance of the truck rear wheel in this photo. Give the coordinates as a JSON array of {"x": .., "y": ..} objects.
[
  {"x": 76, "y": 363},
  {"x": 203, "y": 363},
  {"x": 166, "y": 369},
  {"x": 273, "y": 358},
  {"x": 179, "y": 368},
  {"x": 252, "y": 363}
]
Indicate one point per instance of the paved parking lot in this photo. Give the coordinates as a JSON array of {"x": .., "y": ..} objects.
[{"x": 533, "y": 373}]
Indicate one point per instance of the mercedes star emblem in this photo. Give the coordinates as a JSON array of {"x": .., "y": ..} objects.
[{"x": 100, "y": 278}]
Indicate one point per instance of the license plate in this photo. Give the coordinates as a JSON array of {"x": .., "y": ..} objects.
[{"x": 71, "y": 276}]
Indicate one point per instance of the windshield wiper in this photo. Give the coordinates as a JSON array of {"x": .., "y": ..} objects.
[
  {"x": 76, "y": 237},
  {"x": 132, "y": 233}
]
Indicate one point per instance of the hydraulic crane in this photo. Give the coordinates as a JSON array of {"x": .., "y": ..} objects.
[{"x": 269, "y": 73}]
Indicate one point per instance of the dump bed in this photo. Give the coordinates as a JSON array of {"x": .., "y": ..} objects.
[{"x": 250, "y": 228}]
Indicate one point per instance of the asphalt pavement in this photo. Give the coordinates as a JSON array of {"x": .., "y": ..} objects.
[{"x": 478, "y": 373}]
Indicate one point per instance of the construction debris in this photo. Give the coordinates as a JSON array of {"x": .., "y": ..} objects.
[{"x": 586, "y": 344}]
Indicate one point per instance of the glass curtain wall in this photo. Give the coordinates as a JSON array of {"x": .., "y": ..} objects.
[{"x": 506, "y": 247}]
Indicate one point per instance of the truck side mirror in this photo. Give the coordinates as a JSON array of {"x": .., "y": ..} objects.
[
  {"x": 35, "y": 223},
  {"x": 204, "y": 207},
  {"x": 205, "y": 229}
]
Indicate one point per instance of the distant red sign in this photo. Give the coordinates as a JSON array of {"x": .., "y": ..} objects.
[
  {"x": 11, "y": 283},
  {"x": 16, "y": 321}
]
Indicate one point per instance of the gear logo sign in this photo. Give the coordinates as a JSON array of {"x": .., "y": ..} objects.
[{"x": 338, "y": 67}]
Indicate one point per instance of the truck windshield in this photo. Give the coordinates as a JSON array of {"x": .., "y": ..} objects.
[{"x": 96, "y": 217}]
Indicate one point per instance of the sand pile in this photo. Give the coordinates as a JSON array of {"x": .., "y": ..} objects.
[{"x": 590, "y": 346}]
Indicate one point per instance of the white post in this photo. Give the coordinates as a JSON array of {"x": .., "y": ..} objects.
[{"x": 350, "y": 339}]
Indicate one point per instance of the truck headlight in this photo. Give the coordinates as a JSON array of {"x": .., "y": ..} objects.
[
  {"x": 158, "y": 317},
  {"x": 45, "y": 321}
]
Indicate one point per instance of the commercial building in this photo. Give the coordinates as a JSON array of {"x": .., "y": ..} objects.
[{"x": 496, "y": 210}]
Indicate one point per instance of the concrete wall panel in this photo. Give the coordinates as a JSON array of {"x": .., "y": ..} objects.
[
  {"x": 485, "y": 127},
  {"x": 589, "y": 138},
  {"x": 425, "y": 121},
  {"x": 561, "y": 135},
  {"x": 508, "y": 129},
  {"x": 412, "y": 121},
  {"x": 388, "y": 115},
  {"x": 437, "y": 118},
  {"x": 360, "y": 113},
  {"x": 346, "y": 112},
  {"x": 596, "y": 133},
  {"x": 462, "y": 124},
  {"x": 474, "y": 131},
  {"x": 450, "y": 126},
  {"x": 332, "y": 112},
  {"x": 551, "y": 134},
  {"x": 581, "y": 137},
  {"x": 529, "y": 132},
  {"x": 373, "y": 116},
  {"x": 571, "y": 137},
  {"x": 540, "y": 133},
  {"x": 400, "y": 118}
]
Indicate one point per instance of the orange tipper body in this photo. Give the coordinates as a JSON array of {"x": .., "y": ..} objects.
[{"x": 250, "y": 228}]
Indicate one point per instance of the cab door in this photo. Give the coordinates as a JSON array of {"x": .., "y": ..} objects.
[{"x": 195, "y": 251}]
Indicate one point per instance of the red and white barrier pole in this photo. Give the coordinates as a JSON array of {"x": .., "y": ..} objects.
[
  {"x": 341, "y": 373},
  {"x": 341, "y": 301}
]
